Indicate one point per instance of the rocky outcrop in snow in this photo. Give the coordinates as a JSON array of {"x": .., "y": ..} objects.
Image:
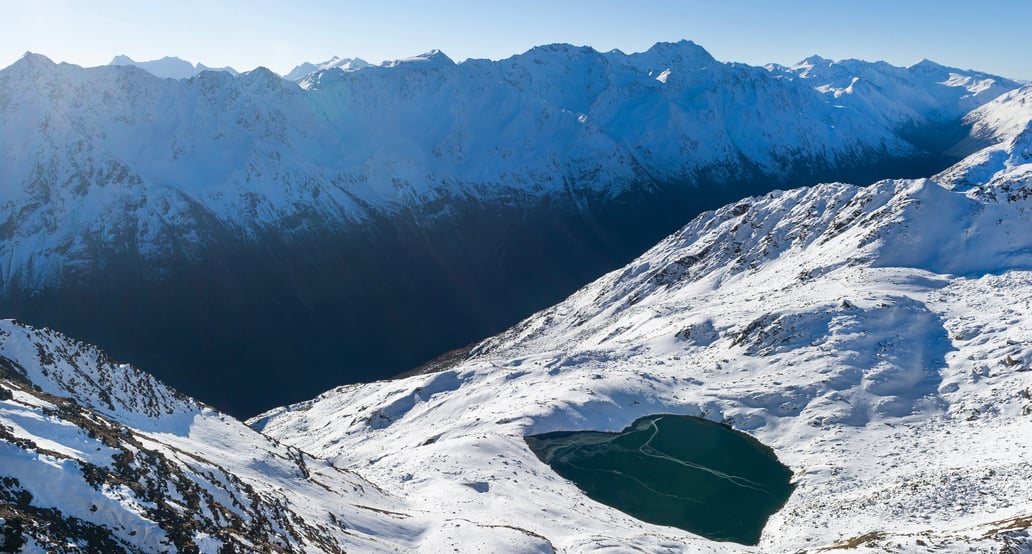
[{"x": 97, "y": 456}]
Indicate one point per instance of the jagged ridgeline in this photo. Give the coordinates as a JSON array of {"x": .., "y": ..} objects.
[
  {"x": 97, "y": 456},
  {"x": 254, "y": 241}
]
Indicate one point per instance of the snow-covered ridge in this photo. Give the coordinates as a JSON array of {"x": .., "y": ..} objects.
[
  {"x": 875, "y": 337},
  {"x": 170, "y": 67},
  {"x": 76, "y": 475},
  {"x": 60, "y": 366},
  {"x": 344, "y": 64},
  {"x": 1006, "y": 126},
  {"x": 433, "y": 58},
  {"x": 100, "y": 457},
  {"x": 306, "y": 69},
  {"x": 902, "y": 92}
]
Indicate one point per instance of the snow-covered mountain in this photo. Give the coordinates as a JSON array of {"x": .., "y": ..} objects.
[
  {"x": 170, "y": 67},
  {"x": 1004, "y": 125},
  {"x": 900, "y": 91},
  {"x": 344, "y": 64},
  {"x": 208, "y": 205},
  {"x": 96, "y": 456},
  {"x": 257, "y": 153},
  {"x": 877, "y": 338}
]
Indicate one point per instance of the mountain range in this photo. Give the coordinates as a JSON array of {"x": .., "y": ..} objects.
[
  {"x": 875, "y": 337},
  {"x": 254, "y": 241}
]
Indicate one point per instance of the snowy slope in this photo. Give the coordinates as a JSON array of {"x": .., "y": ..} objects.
[
  {"x": 109, "y": 160},
  {"x": 915, "y": 92},
  {"x": 875, "y": 337},
  {"x": 100, "y": 455},
  {"x": 1006, "y": 126}
]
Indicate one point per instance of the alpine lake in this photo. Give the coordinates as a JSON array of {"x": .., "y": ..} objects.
[{"x": 679, "y": 471}]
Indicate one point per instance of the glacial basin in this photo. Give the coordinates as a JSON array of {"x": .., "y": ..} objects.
[{"x": 673, "y": 470}]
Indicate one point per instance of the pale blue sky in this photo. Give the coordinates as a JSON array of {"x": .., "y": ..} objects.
[{"x": 990, "y": 35}]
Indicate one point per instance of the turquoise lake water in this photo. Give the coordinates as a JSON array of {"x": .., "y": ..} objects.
[{"x": 680, "y": 471}]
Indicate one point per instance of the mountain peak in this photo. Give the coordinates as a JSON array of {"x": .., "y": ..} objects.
[
  {"x": 336, "y": 62},
  {"x": 561, "y": 48},
  {"x": 261, "y": 74},
  {"x": 33, "y": 58},
  {"x": 926, "y": 65},
  {"x": 122, "y": 59},
  {"x": 681, "y": 45},
  {"x": 680, "y": 53},
  {"x": 200, "y": 68},
  {"x": 433, "y": 57},
  {"x": 815, "y": 60}
]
